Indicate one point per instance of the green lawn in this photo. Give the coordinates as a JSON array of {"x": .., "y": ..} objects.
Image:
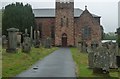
[
  {"x": 81, "y": 61},
  {"x": 14, "y": 63}
]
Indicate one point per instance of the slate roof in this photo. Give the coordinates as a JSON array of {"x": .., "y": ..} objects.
[{"x": 51, "y": 12}]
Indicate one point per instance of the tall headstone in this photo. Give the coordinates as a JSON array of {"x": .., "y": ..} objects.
[
  {"x": 112, "y": 53},
  {"x": 36, "y": 39},
  {"x": 31, "y": 33},
  {"x": 34, "y": 34},
  {"x": 91, "y": 50},
  {"x": 118, "y": 64},
  {"x": 90, "y": 57},
  {"x": 12, "y": 40},
  {"x": 26, "y": 46}
]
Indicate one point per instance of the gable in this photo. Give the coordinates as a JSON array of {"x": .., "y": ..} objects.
[{"x": 87, "y": 18}]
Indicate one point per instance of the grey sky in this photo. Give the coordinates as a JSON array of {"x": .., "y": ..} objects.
[{"x": 107, "y": 9}]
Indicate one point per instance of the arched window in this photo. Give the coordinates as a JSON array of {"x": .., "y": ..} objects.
[{"x": 86, "y": 32}]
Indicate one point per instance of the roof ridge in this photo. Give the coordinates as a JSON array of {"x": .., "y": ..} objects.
[
  {"x": 47, "y": 12},
  {"x": 51, "y": 8}
]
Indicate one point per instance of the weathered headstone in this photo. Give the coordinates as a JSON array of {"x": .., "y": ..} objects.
[
  {"x": 48, "y": 43},
  {"x": 102, "y": 59},
  {"x": 31, "y": 33},
  {"x": 90, "y": 57},
  {"x": 84, "y": 46},
  {"x": 118, "y": 65},
  {"x": 37, "y": 43},
  {"x": 35, "y": 35},
  {"x": 26, "y": 46},
  {"x": 117, "y": 50},
  {"x": 79, "y": 46},
  {"x": 4, "y": 41},
  {"x": 91, "y": 50},
  {"x": 12, "y": 40},
  {"x": 36, "y": 39},
  {"x": 112, "y": 53}
]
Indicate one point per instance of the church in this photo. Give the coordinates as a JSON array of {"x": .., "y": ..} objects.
[{"x": 68, "y": 26}]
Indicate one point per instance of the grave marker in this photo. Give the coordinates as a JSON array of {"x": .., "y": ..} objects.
[
  {"x": 26, "y": 47},
  {"x": 12, "y": 39}
]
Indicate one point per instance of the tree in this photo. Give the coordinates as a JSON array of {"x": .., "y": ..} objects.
[
  {"x": 110, "y": 36},
  {"x": 18, "y": 16}
]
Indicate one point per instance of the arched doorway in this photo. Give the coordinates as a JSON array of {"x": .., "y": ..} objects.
[{"x": 64, "y": 40}]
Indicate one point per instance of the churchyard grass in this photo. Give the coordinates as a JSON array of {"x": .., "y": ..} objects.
[
  {"x": 81, "y": 61},
  {"x": 14, "y": 63},
  {"x": 0, "y": 60}
]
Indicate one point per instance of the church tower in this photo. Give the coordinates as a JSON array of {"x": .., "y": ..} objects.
[{"x": 64, "y": 26}]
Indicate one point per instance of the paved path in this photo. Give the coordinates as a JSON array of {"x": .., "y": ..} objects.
[{"x": 58, "y": 64}]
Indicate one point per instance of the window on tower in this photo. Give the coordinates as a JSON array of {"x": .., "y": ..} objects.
[
  {"x": 61, "y": 22},
  {"x": 67, "y": 22}
]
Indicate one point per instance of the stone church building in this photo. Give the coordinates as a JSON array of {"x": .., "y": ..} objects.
[{"x": 68, "y": 26}]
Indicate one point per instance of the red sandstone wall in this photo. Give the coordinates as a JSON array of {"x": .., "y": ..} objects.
[
  {"x": 86, "y": 19},
  {"x": 46, "y": 26},
  {"x": 64, "y": 10}
]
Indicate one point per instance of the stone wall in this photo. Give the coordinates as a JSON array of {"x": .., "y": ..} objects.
[{"x": 44, "y": 25}]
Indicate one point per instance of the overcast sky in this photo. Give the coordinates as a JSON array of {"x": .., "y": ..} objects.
[{"x": 107, "y": 9}]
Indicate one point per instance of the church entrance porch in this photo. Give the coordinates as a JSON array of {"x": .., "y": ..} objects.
[{"x": 64, "y": 40}]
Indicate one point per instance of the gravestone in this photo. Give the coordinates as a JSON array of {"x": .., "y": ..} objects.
[
  {"x": 84, "y": 46},
  {"x": 26, "y": 46},
  {"x": 101, "y": 60},
  {"x": 79, "y": 46},
  {"x": 112, "y": 53},
  {"x": 118, "y": 65},
  {"x": 117, "y": 50},
  {"x": 91, "y": 50},
  {"x": 90, "y": 57},
  {"x": 31, "y": 33},
  {"x": 48, "y": 43},
  {"x": 37, "y": 43},
  {"x": 12, "y": 40},
  {"x": 4, "y": 41},
  {"x": 36, "y": 39}
]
